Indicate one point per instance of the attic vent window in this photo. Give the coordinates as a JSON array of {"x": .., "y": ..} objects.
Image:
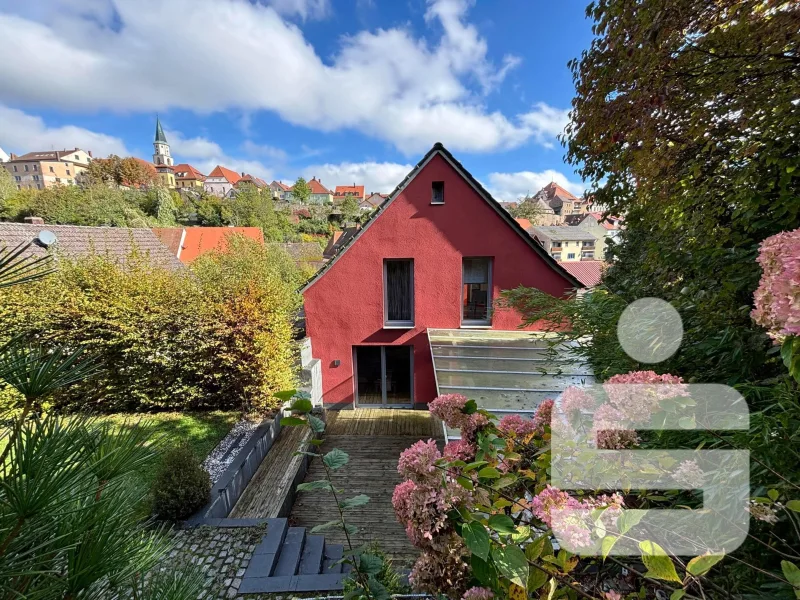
[{"x": 437, "y": 192}]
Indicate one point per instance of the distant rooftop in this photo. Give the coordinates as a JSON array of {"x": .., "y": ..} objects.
[{"x": 560, "y": 233}]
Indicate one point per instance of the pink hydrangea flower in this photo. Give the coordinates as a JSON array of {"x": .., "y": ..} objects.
[
  {"x": 469, "y": 429},
  {"x": 574, "y": 400},
  {"x": 418, "y": 462},
  {"x": 689, "y": 474},
  {"x": 612, "y": 595},
  {"x": 550, "y": 499},
  {"x": 543, "y": 414},
  {"x": 637, "y": 395},
  {"x": 516, "y": 426},
  {"x": 478, "y": 593},
  {"x": 459, "y": 450},
  {"x": 777, "y": 299},
  {"x": 450, "y": 409},
  {"x": 606, "y": 417}
]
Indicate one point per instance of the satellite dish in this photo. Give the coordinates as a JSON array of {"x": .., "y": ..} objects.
[{"x": 46, "y": 238}]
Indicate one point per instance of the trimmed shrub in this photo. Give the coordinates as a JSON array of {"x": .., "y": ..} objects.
[
  {"x": 216, "y": 335},
  {"x": 181, "y": 486}
]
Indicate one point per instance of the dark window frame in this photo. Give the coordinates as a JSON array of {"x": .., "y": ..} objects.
[
  {"x": 397, "y": 323},
  {"x": 437, "y": 192},
  {"x": 487, "y": 321}
]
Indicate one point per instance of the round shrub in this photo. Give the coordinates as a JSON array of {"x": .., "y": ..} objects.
[{"x": 181, "y": 486}]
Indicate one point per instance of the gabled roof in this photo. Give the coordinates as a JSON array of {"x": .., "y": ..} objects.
[
  {"x": 45, "y": 155},
  {"x": 552, "y": 189},
  {"x": 316, "y": 187},
  {"x": 589, "y": 272},
  {"x": 220, "y": 171},
  {"x": 256, "y": 181},
  {"x": 73, "y": 241},
  {"x": 280, "y": 185},
  {"x": 191, "y": 172},
  {"x": 350, "y": 190},
  {"x": 438, "y": 148},
  {"x": 338, "y": 240}
]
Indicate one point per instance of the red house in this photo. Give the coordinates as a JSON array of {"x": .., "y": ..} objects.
[{"x": 436, "y": 254}]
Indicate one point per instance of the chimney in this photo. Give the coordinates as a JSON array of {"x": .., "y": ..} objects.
[
  {"x": 34, "y": 220},
  {"x": 90, "y": 154},
  {"x": 242, "y": 173},
  {"x": 13, "y": 156}
]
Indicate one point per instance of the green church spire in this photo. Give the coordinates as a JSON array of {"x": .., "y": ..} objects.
[{"x": 160, "y": 137}]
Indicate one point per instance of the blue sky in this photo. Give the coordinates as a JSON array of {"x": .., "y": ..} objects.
[{"x": 345, "y": 90}]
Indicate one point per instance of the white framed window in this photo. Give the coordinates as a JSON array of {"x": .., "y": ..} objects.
[
  {"x": 398, "y": 292},
  {"x": 476, "y": 295},
  {"x": 557, "y": 256},
  {"x": 571, "y": 255}
]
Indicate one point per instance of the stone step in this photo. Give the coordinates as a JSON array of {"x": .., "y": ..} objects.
[
  {"x": 311, "y": 560},
  {"x": 265, "y": 555},
  {"x": 333, "y": 553},
  {"x": 290, "y": 552}
]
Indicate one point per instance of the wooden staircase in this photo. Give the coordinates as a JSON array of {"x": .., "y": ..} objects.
[{"x": 288, "y": 559}]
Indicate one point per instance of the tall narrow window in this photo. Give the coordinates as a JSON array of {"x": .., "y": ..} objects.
[
  {"x": 477, "y": 294},
  {"x": 437, "y": 192},
  {"x": 398, "y": 292}
]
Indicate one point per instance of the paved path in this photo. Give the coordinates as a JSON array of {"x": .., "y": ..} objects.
[{"x": 374, "y": 439}]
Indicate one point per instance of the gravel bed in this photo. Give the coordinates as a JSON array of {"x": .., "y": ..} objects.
[{"x": 225, "y": 452}]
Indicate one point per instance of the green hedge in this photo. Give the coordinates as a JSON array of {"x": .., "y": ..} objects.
[{"x": 216, "y": 335}]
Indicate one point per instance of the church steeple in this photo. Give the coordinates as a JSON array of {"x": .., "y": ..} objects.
[
  {"x": 160, "y": 137},
  {"x": 161, "y": 155}
]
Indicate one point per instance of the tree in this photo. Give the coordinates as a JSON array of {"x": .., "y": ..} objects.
[
  {"x": 301, "y": 192},
  {"x": 128, "y": 171},
  {"x": 527, "y": 208},
  {"x": 350, "y": 209},
  {"x": 8, "y": 191}
]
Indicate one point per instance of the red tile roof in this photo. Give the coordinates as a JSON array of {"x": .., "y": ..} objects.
[
  {"x": 191, "y": 172},
  {"x": 317, "y": 188},
  {"x": 281, "y": 185},
  {"x": 256, "y": 181},
  {"x": 350, "y": 190},
  {"x": 524, "y": 223},
  {"x": 588, "y": 272},
  {"x": 554, "y": 189},
  {"x": 199, "y": 240},
  {"x": 219, "y": 171}
]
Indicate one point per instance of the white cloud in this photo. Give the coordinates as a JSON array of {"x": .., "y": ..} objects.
[
  {"x": 509, "y": 187},
  {"x": 203, "y": 154},
  {"x": 264, "y": 150},
  {"x": 374, "y": 176},
  {"x": 21, "y": 133},
  {"x": 305, "y": 9},
  {"x": 210, "y": 55}
]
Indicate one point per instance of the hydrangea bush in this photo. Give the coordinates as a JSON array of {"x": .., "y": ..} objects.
[
  {"x": 483, "y": 512},
  {"x": 777, "y": 299}
]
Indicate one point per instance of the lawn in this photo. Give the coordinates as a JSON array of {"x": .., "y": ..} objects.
[{"x": 201, "y": 430}]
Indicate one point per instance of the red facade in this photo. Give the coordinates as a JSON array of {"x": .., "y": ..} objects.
[{"x": 344, "y": 305}]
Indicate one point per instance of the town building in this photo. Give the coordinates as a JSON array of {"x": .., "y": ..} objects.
[
  {"x": 373, "y": 201},
  {"x": 162, "y": 160},
  {"x": 280, "y": 191},
  {"x": 39, "y": 170},
  {"x": 319, "y": 193},
  {"x": 256, "y": 182},
  {"x": 561, "y": 201},
  {"x": 186, "y": 176},
  {"x": 188, "y": 243},
  {"x": 343, "y": 191},
  {"x": 602, "y": 229},
  {"x": 220, "y": 181},
  {"x": 436, "y": 255},
  {"x": 566, "y": 243}
]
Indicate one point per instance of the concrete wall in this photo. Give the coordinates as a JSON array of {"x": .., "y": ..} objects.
[
  {"x": 344, "y": 308},
  {"x": 310, "y": 373}
]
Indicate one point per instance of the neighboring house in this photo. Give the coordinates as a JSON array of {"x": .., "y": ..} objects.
[
  {"x": 39, "y": 170},
  {"x": 343, "y": 191},
  {"x": 220, "y": 181},
  {"x": 560, "y": 200},
  {"x": 436, "y": 255},
  {"x": 187, "y": 243},
  {"x": 186, "y": 176},
  {"x": 73, "y": 241},
  {"x": 601, "y": 229},
  {"x": 280, "y": 191},
  {"x": 588, "y": 272},
  {"x": 162, "y": 160},
  {"x": 339, "y": 240},
  {"x": 565, "y": 243},
  {"x": 373, "y": 201},
  {"x": 319, "y": 193},
  {"x": 247, "y": 179}
]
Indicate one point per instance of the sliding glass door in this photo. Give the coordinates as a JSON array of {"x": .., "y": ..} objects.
[{"x": 384, "y": 376}]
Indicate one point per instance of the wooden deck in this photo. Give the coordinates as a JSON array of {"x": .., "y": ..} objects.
[{"x": 374, "y": 439}]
